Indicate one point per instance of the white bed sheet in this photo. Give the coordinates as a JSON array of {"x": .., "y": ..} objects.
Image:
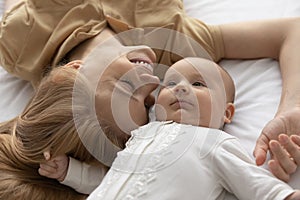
[{"x": 258, "y": 82}]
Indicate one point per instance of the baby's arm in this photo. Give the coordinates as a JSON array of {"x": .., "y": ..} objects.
[
  {"x": 234, "y": 166},
  {"x": 82, "y": 177}
]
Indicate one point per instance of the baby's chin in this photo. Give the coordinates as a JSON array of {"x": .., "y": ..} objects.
[
  {"x": 180, "y": 120},
  {"x": 193, "y": 122}
]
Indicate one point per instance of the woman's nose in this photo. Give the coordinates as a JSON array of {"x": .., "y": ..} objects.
[{"x": 148, "y": 84}]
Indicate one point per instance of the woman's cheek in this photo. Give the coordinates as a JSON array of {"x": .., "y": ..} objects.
[{"x": 138, "y": 113}]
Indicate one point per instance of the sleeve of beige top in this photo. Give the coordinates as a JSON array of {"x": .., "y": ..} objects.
[
  {"x": 171, "y": 13},
  {"x": 28, "y": 45}
]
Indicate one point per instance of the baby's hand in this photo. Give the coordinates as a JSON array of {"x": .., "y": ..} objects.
[
  {"x": 286, "y": 156},
  {"x": 55, "y": 168},
  {"x": 294, "y": 196}
]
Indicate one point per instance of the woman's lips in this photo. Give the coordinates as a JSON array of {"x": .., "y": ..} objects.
[{"x": 143, "y": 62}]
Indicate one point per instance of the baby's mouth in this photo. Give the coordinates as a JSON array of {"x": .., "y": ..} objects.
[{"x": 181, "y": 103}]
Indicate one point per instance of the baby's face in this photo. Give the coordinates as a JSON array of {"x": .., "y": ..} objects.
[{"x": 193, "y": 93}]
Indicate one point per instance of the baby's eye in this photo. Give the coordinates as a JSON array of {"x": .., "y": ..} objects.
[{"x": 199, "y": 84}]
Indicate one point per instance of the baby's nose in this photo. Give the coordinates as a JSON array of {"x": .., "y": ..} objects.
[{"x": 181, "y": 88}]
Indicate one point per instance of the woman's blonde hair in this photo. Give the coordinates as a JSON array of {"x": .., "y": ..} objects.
[{"x": 47, "y": 123}]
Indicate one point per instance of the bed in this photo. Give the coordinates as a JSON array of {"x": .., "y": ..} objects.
[{"x": 258, "y": 82}]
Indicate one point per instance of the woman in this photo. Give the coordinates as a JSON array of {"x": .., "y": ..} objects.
[{"x": 50, "y": 42}]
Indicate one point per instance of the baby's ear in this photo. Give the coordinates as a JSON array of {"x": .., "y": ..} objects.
[{"x": 229, "y": 112}]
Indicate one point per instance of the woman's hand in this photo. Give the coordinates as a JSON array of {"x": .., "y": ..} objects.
[
  {"x": 55, "y": 168},
  {"x": 281, "y": 137},
  {"x": 286, "y": 156},
  {"x": 286, "y": 123}
]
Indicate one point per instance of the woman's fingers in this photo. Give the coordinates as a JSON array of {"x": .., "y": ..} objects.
[
  {"x": 261, "y": 149},
  {"x": 270, "y": 132},
  {"x": 280, "y": 154},
  {"x": 278, "y": 171},
  {"x": 292, "y": 146},
  {"x": 296, "y": 139}
]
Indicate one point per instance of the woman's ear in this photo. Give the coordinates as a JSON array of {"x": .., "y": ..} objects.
[
  {"x": 74, "y": 64},
  {"x": 229, "y": 112}
]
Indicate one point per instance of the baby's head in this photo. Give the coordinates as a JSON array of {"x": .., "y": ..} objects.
[{"x": 196, "y": 91}]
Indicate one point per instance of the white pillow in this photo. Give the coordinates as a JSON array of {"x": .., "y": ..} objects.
[{"x": 15, "y": 94}]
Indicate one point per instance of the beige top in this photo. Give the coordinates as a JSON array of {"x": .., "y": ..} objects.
[{"x": 36, "y": 34}]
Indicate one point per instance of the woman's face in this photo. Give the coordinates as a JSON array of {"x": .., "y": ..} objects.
[
  {"x": 123, "y": 95},
  {"x": 122, "y": 79}
]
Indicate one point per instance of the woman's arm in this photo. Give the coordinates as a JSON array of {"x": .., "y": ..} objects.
[
  {"x": 261, "y": 38},
  {"x": 278, "y": 39}
]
